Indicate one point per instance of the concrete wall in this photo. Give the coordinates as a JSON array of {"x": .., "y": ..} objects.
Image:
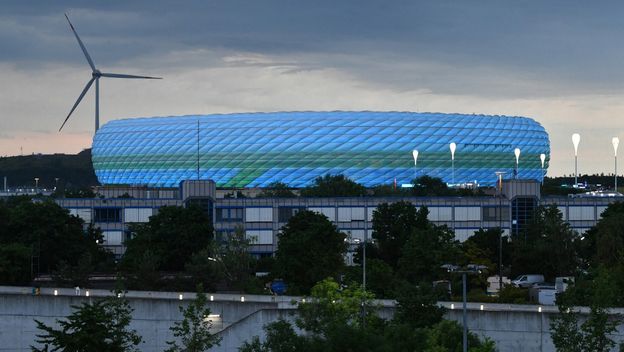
[{"x": 512, "y": 327}]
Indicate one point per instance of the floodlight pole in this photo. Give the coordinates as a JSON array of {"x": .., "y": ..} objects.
[
  {"x": 415, "y": 155},
  {"x": 543, "y": 159},
  {"x": 615, "y": 141},
  {"x": 469, "y": 269},
  {"x": 453, "y": 147},
  {"x": 500, "y": 228},
  {"x": 465, "y": 320},
  {"x": 576, "y": 139},
  {"x": 517, "y": 154}
]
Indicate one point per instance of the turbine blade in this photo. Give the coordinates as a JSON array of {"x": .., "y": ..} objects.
[
  {"x": 84, "y": 50},
  {"x": 84, "y": 91},
  {"x": 118, "y": 75}
]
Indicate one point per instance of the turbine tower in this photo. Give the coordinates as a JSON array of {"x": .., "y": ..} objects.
[{"x": 95, "y": 77}]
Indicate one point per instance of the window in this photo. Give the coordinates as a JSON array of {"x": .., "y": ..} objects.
[
  {"x": 229, "y": 214},
  {"x": 107, "y": 214},
  {"x": 495, "y": 213},
  {"x": 285, "y": 213}
]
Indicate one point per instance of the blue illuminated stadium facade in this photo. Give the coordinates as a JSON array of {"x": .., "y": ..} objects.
[{"x": 372, "y": 148}]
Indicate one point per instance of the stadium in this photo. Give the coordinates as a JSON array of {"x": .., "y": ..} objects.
[{"x": 245, "y": 150}]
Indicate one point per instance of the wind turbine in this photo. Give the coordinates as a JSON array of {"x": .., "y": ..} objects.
[{"x": 95, "y": 77}]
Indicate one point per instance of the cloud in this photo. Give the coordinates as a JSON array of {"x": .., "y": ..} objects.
[{"x": 553, "y": 61}]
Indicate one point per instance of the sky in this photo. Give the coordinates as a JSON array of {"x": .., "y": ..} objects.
[{"x": 558, "y": 62}]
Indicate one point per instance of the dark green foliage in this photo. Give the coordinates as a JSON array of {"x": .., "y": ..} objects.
[
  {"x": 393, "y": 224},
  {"x": 487, "y": 241},
  {"x": 427, "y": 186},
  {"x": 277, "y": 190},
  {"x": 98, "y": 326},
  {"x": 571, "y": 333},
  {"x": 548, "y": 246},
  {"x": 426, "y": 251},
  {"x": 515, "y": 295},
  {"x": 193, "y": 332},
  {"x": 15, "y": 259},
  {"x": 280, "y": 337},
  {"x": 310, "y": 248},
  {"x": 334, "y": 186},
  {"x": 172, "y": 237},
  {"x": 344, "y": 320},
  {"x": 43, "y": 232},
  {"x": 447, "y": 336},
  {"x": 417, "y": 306},
  {"x": 380, "y": 278},
  {"x": 72, "y": 170},
  {"x": 606, "y": 239},
  {"x": 75, "y": 193}
]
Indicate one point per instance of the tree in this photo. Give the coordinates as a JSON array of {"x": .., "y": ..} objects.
[
  {"x": 172, "y": 236},
  {"x": 570, "y": 333},
  {"x": 425, "y": 251},
  {"x": 277, "y": 190},
  {"x": 447, "y": 336},
  {"x": 193, "y": 332},
  {"x": 344, "y": 319},
  {"x": 334, "y": 186},
  {"x": 487, "y": 241},
  {"x": 310, "y": 248},
  {"x": 280, "y": 337},
  {"x": 607, "y": 237},
  {"x": 427, "y": 186},
  {"x": 229, "y": 262},
  {"x": 548, "y": 246},
  {"x": 98, "y": 326},
  {"x": 44, "y": 233},
  {"x": 417, "y": 306},
  {"x": 393, "y": 224}
]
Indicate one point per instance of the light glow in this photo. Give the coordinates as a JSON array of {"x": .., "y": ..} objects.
[{"x": 576, "y": 139}]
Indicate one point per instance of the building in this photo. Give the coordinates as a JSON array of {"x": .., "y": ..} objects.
[
  {"x": 255, "y": 149},
  {"x": 117, "y": 207}
]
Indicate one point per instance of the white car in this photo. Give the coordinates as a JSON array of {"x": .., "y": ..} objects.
[{"x": 527, "y": 280}]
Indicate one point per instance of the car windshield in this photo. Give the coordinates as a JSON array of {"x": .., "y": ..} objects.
[{"x": 520, "y": 278}]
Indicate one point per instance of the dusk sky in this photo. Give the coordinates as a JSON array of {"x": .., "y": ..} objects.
[{"x": 558, "y": 62}]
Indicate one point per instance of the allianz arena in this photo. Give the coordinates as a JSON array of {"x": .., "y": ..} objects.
[{"x": 372, "y": 148}]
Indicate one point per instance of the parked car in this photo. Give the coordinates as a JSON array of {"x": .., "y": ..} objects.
[{"x": 527, "y": 280}]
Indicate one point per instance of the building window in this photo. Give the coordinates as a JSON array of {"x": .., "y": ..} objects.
[
  {"x": 107, "y": 214},
  {"x": 285, "y": 213},
  {"x": 229, "y": 214},
  {"x": 495, "y": 213}
]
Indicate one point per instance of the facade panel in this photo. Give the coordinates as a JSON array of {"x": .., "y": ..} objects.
[{"x": 257, "y": 149}]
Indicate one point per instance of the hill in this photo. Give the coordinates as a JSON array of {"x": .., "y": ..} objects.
[{"x": 72, "y": 171}]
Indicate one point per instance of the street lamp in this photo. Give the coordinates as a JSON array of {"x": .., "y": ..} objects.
[
  {"x": 500, "y": 228},
  {"x": 517, "y": 154},
  {"x": 415, "y": 155},
  {"x": 469, "y": 269},
  {"x": 543, "y": 159},
  {"x": 453, "y": 146},
  {"x": 615, "y": 141},
  {"x": 36, "y": 185},
  {"x": 576, "y": 139}
]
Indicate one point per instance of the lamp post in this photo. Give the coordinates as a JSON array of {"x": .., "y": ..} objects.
[
  {"x": 576, "y": 139},
  {"x": 36, "y": 185},
  {"x": 615, "y": 141},
  {"x": 469, "y": 269},
  {"x": 499, "y": 214},
  {"x": 415, "y": 155},
  {"x": 543, "y": 159},
  {"x": 453, "y": 146},
  {"x": 517, "y": 154}
]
